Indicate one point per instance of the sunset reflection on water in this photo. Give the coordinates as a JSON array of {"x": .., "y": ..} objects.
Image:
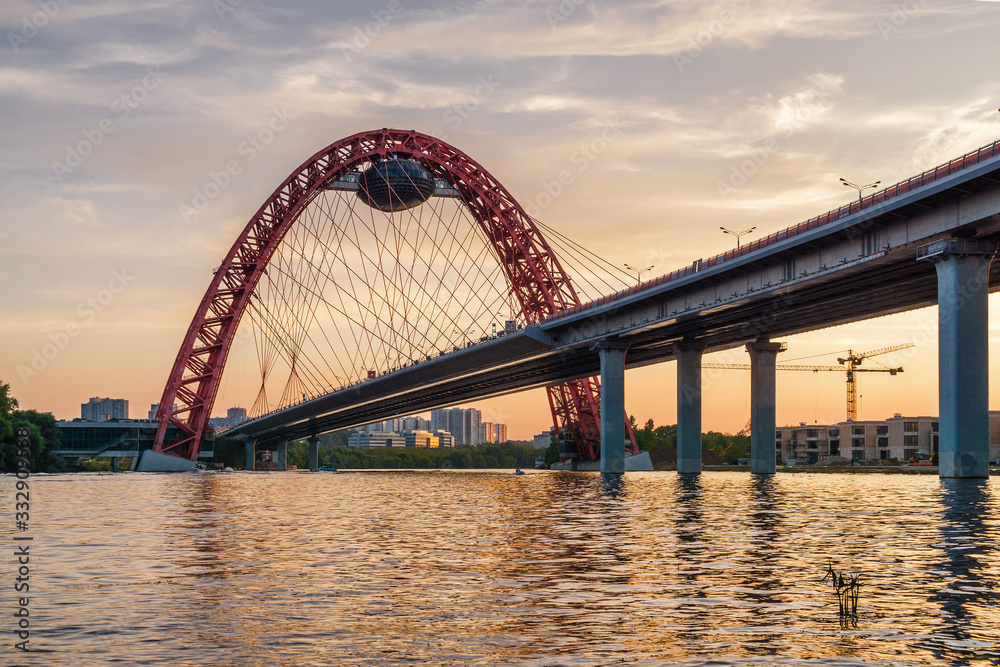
[{"x": 488, "y": 568}]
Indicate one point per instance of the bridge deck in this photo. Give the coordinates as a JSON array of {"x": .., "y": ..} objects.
[{"x": 847, "y": 265}]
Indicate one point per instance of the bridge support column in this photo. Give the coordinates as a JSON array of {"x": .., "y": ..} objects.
[
  {"x": 114, "y": 464},
  {"x": 763, "y": 355},
  {"x": 281, "y": 455},
  {"x": 612, "y": 405},
  {"x": 313, "y": 452},
  {"x": 250, "y": 455},
  {"x": 688, "y": 406},
  {"x": 963, "y": 267}
]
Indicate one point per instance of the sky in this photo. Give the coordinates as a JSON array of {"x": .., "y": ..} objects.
[{"x": 114, "y": 115}]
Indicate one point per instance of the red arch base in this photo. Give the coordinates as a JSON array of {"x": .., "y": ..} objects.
[{"x": 534, "y": 275}]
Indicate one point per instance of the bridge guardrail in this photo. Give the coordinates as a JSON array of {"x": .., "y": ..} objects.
[{"x": 931, "y": 175}]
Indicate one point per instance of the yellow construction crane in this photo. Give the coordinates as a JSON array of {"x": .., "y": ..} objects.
[{"x": 853, "y": 363}]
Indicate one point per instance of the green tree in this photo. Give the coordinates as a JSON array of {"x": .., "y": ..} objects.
[
  {"x": 647, "y": 436},
  {"x": 8, "y": 450},
  {"x": 40, "y": 429},
  {"x": 666, "y": 435},
  {"x": 45, "y": 439},
  {"x": 552, "y": 451},
  {"x": 229, "y": 452}
]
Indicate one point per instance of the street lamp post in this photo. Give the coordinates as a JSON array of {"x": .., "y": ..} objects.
[
  {"x": 860, "y": 188},
  {"x": 638, "y": 272},
  {"x": 738, "y": 235}
]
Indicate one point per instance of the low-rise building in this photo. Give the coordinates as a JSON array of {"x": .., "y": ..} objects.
[
  {"x": 898, "y": 437},
  {"x": 543, "y": 439},
  {"x": 114, "y": 438},
  {"x": 366, "y": 439},
  {"x": 445, "y": 439}
]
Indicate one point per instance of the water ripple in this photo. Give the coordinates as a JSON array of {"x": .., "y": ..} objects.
[{"x": 487, "y": 568}]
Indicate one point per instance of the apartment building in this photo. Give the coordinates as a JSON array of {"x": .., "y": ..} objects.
[{"x": 898, "y": 438}]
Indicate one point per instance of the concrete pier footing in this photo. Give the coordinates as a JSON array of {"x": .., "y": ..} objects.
[
  {"x": 612, "y": 405},
  {"x": 689, "y": 407},
  {"x": 313, "y": 452},
  {"x": 763, "y": 357},
  {"x": 963, "y": 267}
]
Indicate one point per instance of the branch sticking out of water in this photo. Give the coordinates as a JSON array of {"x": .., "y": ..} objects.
[{"x": 847, "y": 588}]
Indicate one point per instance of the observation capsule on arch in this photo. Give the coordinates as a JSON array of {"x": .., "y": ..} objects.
[{"x": 395, "y": 184}]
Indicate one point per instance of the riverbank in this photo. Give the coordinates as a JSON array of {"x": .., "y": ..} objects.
[{"x": 855, "y": 470}]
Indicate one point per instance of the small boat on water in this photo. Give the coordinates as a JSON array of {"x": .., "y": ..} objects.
[{"x": 518, "y": 472}]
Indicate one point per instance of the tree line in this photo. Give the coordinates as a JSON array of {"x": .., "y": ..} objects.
[
  {"x": 40, "y": 430},
  {"x": 334, "y": 454},
  {"x": 726, "y": 447},
  {"x": 44, "y": 437}
]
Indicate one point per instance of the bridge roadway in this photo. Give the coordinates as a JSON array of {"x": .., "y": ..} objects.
[{"x": 851, "y": 264}]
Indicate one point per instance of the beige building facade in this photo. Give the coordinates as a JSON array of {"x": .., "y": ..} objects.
[{"x": 898, "y": 438}]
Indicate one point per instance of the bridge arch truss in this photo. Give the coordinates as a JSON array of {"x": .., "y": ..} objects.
[{"x": 536, "y": 283}]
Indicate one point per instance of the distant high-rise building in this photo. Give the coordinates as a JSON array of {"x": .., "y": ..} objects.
[
  {"x": 218, "y": 422},
  {"x": 491, "y": 432},
  {"x": 486, "y": 433},
  {"x": 103, "y": 409},
  {"x": 236, "y": 416},
  {"x": 414, "y": 424},
  {"x": 464, "y": 424},
  {"x": 154, "y": 407}
]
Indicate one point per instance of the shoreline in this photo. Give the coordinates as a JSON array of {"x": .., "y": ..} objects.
[{"x": 885, "y": 470}]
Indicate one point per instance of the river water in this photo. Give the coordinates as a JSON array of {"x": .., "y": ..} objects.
[{"x": 488, "y": 568}]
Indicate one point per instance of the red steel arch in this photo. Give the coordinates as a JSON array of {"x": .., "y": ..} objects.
[{"x": 534, "y": 275}]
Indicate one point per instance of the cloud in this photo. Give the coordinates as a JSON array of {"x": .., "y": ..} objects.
[
  {"x": 816, "y": 76},
  {"x": 56, "y": 211}
]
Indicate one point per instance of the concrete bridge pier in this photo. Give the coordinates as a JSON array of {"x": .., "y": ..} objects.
[
  {"x": 612, "y": 405},
  {"x": 763, "y": 355},
  {"x": 963, "y": 267},
  {"x": 313, "y": 452},
  {"x": 250, "y": 455},
  {"x": 281, "y": 455},
  {"x": 688, "y": 355}
]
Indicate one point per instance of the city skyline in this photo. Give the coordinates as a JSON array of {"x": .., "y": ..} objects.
[{"x": 118, "y": 201}]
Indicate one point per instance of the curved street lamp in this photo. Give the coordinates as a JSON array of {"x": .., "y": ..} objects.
[
  {"x": 860, "y": 188},
  {"x": 738, "y": 235},
  {"x": 638, "y": 272}
]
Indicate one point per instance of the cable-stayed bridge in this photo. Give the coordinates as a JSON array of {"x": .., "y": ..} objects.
[{"x": 370, "y": 283}]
